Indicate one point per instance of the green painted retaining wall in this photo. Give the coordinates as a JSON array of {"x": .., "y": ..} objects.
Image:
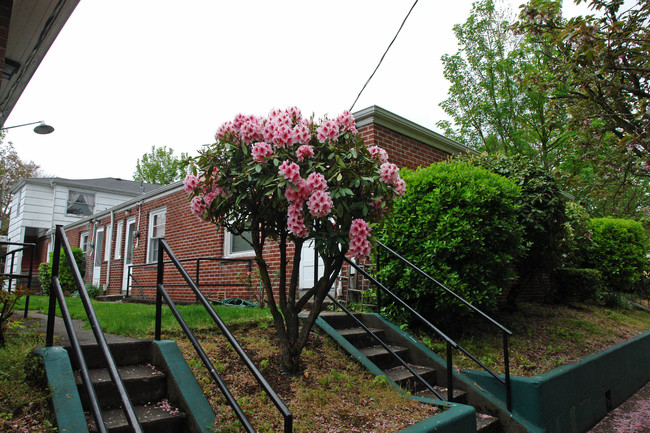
[{"x": 573, "y": 398}]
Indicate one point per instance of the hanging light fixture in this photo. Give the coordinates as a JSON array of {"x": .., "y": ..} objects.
[{"x": 42, "y": 127}]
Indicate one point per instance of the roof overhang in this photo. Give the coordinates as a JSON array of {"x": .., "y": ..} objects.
[
  {"x": 33, "y": 27},
  {"x": 387, "y": 119}
]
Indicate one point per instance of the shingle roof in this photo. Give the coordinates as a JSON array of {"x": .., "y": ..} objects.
[{"x": 107, "y": 184}]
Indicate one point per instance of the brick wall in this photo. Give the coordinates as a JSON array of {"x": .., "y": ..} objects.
[
  {"x": 189, "y": 237},
  {"x": 402, "y": 150}
]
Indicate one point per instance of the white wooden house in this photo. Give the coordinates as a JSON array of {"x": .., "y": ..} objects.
[{"x": 39, "y": 204}]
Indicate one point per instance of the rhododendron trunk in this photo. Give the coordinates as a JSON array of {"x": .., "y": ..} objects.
[{"x": 292, "y": 330}]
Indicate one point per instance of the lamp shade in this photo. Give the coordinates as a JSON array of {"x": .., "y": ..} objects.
[{"x": 43, "y": 128}]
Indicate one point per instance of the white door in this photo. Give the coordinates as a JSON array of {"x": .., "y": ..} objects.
[
  {"x": 307, "y": 263},
  {"x": 98, "y": 253},
  {"x": 128, "y": 251}
]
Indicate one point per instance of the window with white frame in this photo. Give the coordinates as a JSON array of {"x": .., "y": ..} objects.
[
  {"x": 118, "y": 239},
  {"x": 109, "y": 241},
  {"x": 237, "y": 245},
  {"x": 80, "y": 203},
  {"x": 83, "y": 242},
  {"x": 156, "y": 231}
]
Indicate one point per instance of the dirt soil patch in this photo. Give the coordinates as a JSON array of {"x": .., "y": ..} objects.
[{"x": 332, "y": 394}]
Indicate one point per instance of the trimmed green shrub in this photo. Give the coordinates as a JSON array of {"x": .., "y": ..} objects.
[
  {"x": 65, "y": 275},
  {"x": 618, "y": 251},
  {"x": 459, "y": 224},
  {"x": 577, "y": 284},
  {"x": 541, "y": 213}
]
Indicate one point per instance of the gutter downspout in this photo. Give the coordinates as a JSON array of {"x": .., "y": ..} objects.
[{"x": 110, "y": 255}]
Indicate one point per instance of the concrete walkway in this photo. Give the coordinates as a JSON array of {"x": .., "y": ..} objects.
[
  {"x": 85, "y": 336},
  {"x": 633, "y": 416}
]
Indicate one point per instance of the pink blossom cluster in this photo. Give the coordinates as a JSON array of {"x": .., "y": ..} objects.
[
  {"x": 378, "y": 154},
  {"x": 290, "y": 171},
  {"x": 305, "y": 151},
  {"x": 389, "y": 173},
  {"x": 359, "y": 243},
  {"x": 320, "y": 203},
  {"x": 261, "y": 151},
  {"x": 327, "y": 131},
  {"x": 346, "y": 122}
]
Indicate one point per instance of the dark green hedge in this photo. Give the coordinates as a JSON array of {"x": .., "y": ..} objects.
[
  {"x": 459, "y": 223},
  {"x": 618, "y": 251}
]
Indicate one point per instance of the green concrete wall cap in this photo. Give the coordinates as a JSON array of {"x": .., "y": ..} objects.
[{"x": 69, "y": 412}]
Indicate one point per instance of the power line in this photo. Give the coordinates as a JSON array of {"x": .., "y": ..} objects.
[{"x": 384, "y": 55}]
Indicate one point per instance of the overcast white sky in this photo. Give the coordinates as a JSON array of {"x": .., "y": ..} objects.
[{"x": 125, "y": 75}]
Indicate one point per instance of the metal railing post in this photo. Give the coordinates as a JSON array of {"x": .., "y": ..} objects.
[
  {"x": 29, "y": 280},
  {"x": 377, "y": 287},
  {"x": 159, "y": 281},
  {"x": 507, "y": 372},
  {"x": 450, "y": 374},
  {"x": 56, "y": 258}
]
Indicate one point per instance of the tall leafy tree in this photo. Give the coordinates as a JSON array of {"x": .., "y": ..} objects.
[
  {"x": 160, "y": 166},
  {"x": 491, "y": 107},
  {"x": 597, "y": 69},
  {"x": 12, "y": 170}
]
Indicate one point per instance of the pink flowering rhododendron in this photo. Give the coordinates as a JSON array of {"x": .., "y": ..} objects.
[
  {"x": 197, "y": 206},
  {"x": 359, "y": 229},
  {"x": 288, "y": 179},
  {"x": 389, "y": 172}
]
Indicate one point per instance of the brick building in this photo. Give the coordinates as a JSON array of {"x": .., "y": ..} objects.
[{"x": 124, "y": 237}]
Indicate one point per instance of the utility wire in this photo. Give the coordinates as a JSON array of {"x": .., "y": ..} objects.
[{"x": 384, "y": 55}]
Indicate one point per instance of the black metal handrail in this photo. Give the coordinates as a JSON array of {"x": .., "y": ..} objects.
[
  {"x": 197, "y": 272},
  {"x": 56, "y": 293},
  {"x": 387, "y": 348},
  {"x": 449, "y": 342},
  {"x": 505, "y": 331},
  {"x": 161, "y": 294},
  {"x": 11, "y": 275}
]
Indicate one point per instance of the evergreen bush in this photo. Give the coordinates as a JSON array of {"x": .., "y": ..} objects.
[
  {"x": 65, "y": 274},
  {"x": 618, "y": 251},
  {"x": 459, "y": 223}
]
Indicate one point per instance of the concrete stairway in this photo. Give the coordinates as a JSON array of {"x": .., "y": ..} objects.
[
  {"x": 145, "y": 384},
  {"x": 162, "y": 389},
  {"x": 378, "y": 356}
]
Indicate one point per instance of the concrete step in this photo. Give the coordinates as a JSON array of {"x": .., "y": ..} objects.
[
  {"x": 487, "y": 424},
  {"x": 339, "y": 320},
  {"x": 383, "y": 358},
  {"x": 127, "y": 353},
  {"x": 459, "y": 396},
  {"x": 406, "y": 380},
  {"x": 156, "y": 417},
  {"x": 143, "y": 383},
  {"x": 359, "y": 338}
]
